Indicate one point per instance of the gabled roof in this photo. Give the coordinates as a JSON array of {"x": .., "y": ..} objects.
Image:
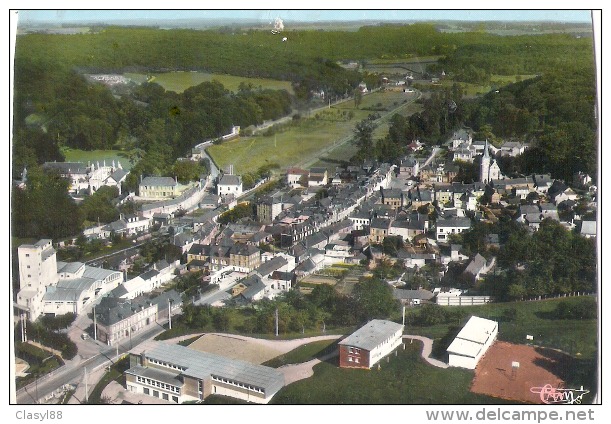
[
  {"x": 119, "y": 175},
  {"x": 158, "y": 181},
  {"x": 270, "y": 266},
  {"x": 202, "y": 365},
  {"x": 372, "y": 334},
  {"x": 476, "y": 265},
  {"x": 380, "y": 223},
  {"x": 230, "y": 180},
  {"x": 421, "y": 294},
  {"x": 459, "y": 222},
  {"x": 254, "y": 286}
]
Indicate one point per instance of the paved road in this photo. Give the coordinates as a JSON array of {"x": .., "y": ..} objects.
[
  {"x": 73, "y": 370},
  {"x": 427, "y": 348}
]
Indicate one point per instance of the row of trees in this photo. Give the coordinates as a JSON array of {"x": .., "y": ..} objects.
[{"x": 323, "y": 308}]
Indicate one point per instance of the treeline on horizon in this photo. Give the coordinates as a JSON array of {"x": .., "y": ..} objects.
[{"x": 554, "y": 111}]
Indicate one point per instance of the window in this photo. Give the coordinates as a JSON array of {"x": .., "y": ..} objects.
[
  {"x": 175, "y": 399},
  {"x": 349, "y": 358},
  {"x": 166, "y": 396},
  {"x": 156, "y": 393},
  {"x": 356, "y": 360},
  {"x": 147, "y": 391}
]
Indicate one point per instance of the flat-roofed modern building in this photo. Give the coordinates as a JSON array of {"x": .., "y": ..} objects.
[
  {"x": 472, "y": 342},
  {"x": 177, "y": 374},
  {"x": 369, "y": 344}
]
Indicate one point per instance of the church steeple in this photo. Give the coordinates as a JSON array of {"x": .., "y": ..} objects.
[{"x": 484, "y": 169}]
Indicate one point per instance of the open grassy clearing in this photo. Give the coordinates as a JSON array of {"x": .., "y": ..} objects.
[
  {"x": 496, "y": 81},
  {"x": 180, "y": 81},
  {"x": 572, "y": 336},
  {"x": 411, "y": 59},
  {"x": 301, "y": 142},
  {"x": 405, "y": 379},
  {"x": 77, "y": 155},
  {"x": 312, "y": 137},
  {"x": 303, "y": 353}
]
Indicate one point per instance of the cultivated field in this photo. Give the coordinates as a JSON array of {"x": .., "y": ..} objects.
[{"x": 180, "y": 81}]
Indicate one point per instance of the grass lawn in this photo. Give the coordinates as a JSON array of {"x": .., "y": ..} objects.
[
  {"x": 496, "y": 81},
  {"x": 39, "y": 360},
  {"x": 115, "y": 374},
  {"x": 299, "y": 143},
  {"x": 303, "y": 353},
  {"x": 572, "y": 336},
  {"x": 307, "y": 141},
  {"x": 77, "y": 155},
  {"x": 405, "y": 379},
  {"x": 413, "y": 59},
  {"x": 180, "y": 81}
]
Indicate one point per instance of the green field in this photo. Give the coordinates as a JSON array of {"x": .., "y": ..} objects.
[
  {"x": 308, "y": 139},
  {"x": 76, "y": 155},
  {"x": 405, "y": 379},
  {"x": 577, "y": 337},
  {"x": 180, "y": 81},
  {"x": 408, "y": 60},
  {"x": 496, "y": 81},
  {"x": 303, "y": 353}
]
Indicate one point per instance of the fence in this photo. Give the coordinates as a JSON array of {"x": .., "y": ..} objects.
[{"x": 463, "y": 300}]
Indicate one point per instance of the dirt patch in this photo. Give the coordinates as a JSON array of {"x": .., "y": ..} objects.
[
  {"x": 495, "y": 376},
  {"x": 235, "y": 347}
]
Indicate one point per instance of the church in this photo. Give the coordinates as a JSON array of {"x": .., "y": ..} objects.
[{"x": 489, "y": 171}]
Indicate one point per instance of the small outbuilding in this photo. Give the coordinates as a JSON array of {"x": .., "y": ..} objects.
[{"x": 472, "y": 342}]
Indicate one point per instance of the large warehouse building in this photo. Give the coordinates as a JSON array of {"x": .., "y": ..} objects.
[
  {"x": 472, "y": 342},
  {"x": 177, "y": 374}
]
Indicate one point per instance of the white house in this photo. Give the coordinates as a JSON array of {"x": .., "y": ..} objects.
[
  {"x": 472, "y": 342},
  {"x": 296, "y": 177},
  {"x": 456, "y": 225},
  {"x": 229, "y": 185}
]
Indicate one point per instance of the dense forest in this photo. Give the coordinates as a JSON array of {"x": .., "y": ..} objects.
[{"x": 553, "y": 112}]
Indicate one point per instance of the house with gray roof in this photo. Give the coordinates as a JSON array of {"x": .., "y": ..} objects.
[
  {"x": 478, "y": 267},
  {"x": 178, "y": 374},
  {"x": 449, "y": 226},
  {"x": 412, "y": 297},
  {"x": 157, "y": 188},
  {"x": 369, "y": 344},
  {"x": 229, "y": 185}
]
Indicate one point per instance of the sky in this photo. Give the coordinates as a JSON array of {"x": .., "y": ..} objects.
[{"x": 31, "y": 16}]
